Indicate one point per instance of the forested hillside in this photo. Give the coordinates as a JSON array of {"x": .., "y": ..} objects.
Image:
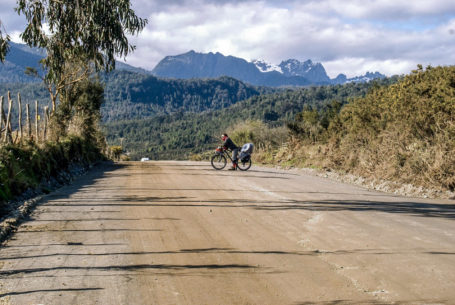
[
  {"x": 132, "y": 95},
  {"x": 29, "y": 91},
  {"x": 178, "y": 135}
]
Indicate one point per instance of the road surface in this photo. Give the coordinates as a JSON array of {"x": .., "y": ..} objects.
[{"x": 183, "y": 233}]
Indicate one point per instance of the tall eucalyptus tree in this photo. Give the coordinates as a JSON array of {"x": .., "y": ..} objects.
[{"x": 78, "y": 35}]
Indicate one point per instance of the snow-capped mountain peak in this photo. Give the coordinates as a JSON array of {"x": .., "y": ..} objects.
[
  {"x": 264, "y": 66},
  {"x": 307, "y": 69},
  {"x": 294, "y": 67}
]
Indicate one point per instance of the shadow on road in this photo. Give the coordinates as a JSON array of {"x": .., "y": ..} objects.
[
  {"x": 127, "y": 268},
  {"x": 48, "y": 290},
  {"x": 230, "y": 251},
  {"x": 401, "y": 207},
  {"x": 397, "y": 207},
  {"x": 372, "y": 302}
]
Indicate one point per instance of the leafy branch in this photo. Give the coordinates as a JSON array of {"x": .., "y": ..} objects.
[{"x": 4, "y": 47}]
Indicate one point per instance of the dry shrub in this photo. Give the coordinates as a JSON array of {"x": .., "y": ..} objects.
[
  {"x": 263, "y": 137},
  {"x": 266, "y": 140},
  {"x": 403, "y": 133}
]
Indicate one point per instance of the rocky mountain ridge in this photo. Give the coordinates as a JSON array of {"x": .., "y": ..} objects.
[{"x": 290, "y": 72}]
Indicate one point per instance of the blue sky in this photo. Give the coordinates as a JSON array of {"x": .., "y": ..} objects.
[{"x": 350, "y": 36}]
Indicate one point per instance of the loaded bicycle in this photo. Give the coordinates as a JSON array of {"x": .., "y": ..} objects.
[{"x": 221, "y": 155}]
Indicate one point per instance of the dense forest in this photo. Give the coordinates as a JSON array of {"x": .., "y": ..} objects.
[
  {"x": 178, "y": 135},
  {"x": 132, "y": 95},
  {"x": 30, "y": 92}
]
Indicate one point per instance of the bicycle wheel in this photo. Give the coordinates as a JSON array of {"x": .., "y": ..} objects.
[
  {"x": 218, "y": 161},
  {"x": 244, "y": 165}
]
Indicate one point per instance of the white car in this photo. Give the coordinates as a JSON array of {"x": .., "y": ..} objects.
[{"x": 145, "y": 159}]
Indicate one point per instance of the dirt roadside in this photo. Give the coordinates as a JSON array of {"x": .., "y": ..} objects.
[{"x": 183, "y": 233}]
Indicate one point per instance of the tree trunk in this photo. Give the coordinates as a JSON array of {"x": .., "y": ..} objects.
[{"x": 53, "y": 99}]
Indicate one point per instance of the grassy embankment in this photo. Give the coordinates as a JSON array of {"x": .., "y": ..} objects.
[
  {"x": 26, "y": 166},
  {"x": 72, "y": 137}
]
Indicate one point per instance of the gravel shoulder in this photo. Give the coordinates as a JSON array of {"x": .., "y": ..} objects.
[{"x": 182, "y": 233}]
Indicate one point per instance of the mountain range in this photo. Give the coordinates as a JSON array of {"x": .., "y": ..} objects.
[{"x": 291, "y": 72}]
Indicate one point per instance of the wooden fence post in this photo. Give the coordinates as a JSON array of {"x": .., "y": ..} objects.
[
  {"x": 19, "y": 102},
  {"x": 46, "y": 112},
  {"x": 10, "y": 120},
  {"x": 8, "y": 138},
  {"x": 36, "y": 122},
  {"x": 3, "y": 118},
  {"x": 29, "y": 127}
]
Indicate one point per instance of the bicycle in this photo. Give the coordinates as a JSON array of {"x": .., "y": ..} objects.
[{"x": 219, "y": 160}]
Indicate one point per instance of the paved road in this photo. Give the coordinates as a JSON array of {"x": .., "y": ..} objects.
[{"x": 182, "y": 233}]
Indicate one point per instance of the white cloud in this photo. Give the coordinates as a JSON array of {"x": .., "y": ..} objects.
[
  {"x": 359, "y": 66},
  {"x": 15, "y": 37},
  {"x": 312, "y": 30},
  {"x": 351, "y": 36},
  {"x": 382, "y": 9}
]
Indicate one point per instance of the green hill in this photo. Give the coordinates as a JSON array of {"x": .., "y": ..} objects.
[{"x": 131, "y": 95}]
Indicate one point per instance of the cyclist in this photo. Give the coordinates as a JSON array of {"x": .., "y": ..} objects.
[{"x": 228, "y": 144}]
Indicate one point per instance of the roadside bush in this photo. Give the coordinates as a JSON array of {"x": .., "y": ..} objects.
[
  {"x": 115, "y": 152},
  {"x": 263, "y": 137},
  {"x": 404, "y": 132},
  {"x": 26, "y": 166},
  {"x": 267, "y": 140}
]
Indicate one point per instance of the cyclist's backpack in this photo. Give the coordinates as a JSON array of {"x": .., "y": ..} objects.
[
  {"x": 246, "y": 151},
  {"x": 247, "y": 148}
]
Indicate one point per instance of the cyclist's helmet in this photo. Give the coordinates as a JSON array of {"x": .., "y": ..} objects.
[{"x": 224, "y": 137}]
